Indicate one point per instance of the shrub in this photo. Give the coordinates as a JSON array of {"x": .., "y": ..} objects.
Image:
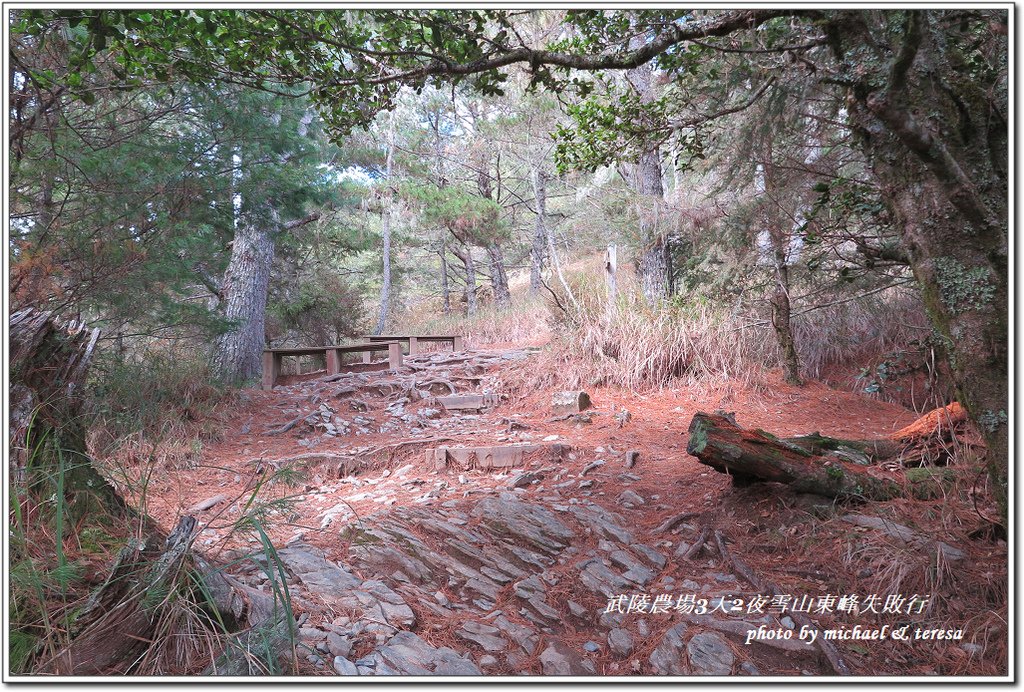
[{"x": 156, "y": 401}]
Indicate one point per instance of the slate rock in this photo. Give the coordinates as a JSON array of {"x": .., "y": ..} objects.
[
  {"x": 407, "y": 654},
  {"x": 577, "y": 610},
  {"x": 906, "y": 535},
  {"x": 313, "y": 569},
  {"x": 630, "y": 497},
  {"x": 620, "y": 642},
  {"x": 600, "y": 579},
  {"x": 344, "y": 666},
  {"x": 605, "y": 523},
  {"x": 523, "y": 636},
  {"x": 484, "y": 635},
  {"x": 667, "y": 658},
  {"x": 709, "y": 654},
  {"x": 559, "y": 659},
  {"x": 635, "y": 571},
  {"x": 512, "y": 517},
  {"x": 649, "y": 555},
  {"x": 338, "y": 645}
]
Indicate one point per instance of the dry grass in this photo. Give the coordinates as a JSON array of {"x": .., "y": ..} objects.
[
  {"x": 859, "y": 330},
  {"x": 526, "y": 321},
  {"x": 631, "y": 345},
  {"x": 692, "y": 340},
  {"x": 639, "y": 349}
]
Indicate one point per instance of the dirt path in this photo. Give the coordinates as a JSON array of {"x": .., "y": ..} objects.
[{"x": 399, "y": 567}]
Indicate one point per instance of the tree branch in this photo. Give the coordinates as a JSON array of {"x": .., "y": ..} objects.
[
  {"x": 908, "y": 51},
  {"x": 298, "y": 223},
  {"x": 720, "y": 25},
  {"x": 697, "y": 120}
]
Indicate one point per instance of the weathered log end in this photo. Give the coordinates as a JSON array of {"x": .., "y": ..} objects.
[{"x": 814, "y": 464}]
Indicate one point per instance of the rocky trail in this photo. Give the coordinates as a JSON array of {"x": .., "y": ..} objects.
[{"x": 437, "y": 521}]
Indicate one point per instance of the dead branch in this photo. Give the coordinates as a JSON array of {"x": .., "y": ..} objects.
[
  {"x": 833, "y": 656},
  {"x": 675, "y": 521},
  {"x": 702, "y": 539}
]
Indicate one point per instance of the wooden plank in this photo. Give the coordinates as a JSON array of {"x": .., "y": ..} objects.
[
  {"x": 406, "y": 337},
  {"x": 315, "y": 350},
  {"x": 437, "y": 338},
  {"x": 300, "y": 351},
  {"x": 333, "y": 361},
  {"x": 394, "y": 355},
  {"x": 272, "y": 357},
  {"x": 271, "y": 368}
]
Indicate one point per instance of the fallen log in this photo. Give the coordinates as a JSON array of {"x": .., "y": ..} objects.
[
  {"x": 813, "y": 464},
  {"x": 942, "y": 422}
]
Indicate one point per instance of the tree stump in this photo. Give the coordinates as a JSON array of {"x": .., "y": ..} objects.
[
  {"x": 132, "y": 613},
  {"x": 48, "y": 364}
]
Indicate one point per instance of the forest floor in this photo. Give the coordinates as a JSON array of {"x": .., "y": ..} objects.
[{"x": 396, "y": 566}]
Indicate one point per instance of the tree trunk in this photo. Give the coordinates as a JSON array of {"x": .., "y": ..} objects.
[
  {"x": 499, "y": 279},
  {"x": 539, "y": 233},
  {"x": 766, "y": 186},
  {"x": 611, "y": 268},
  {"x": 466, "y": 255},
  {"x": 653, "y": 263},
  {"x": 540, "y": 192},
  {"x": 653, "y": 270},
  {"x": 491, "y": 239},
  {"x": 130, "y": 620},
  {"x": 445, "y": 290},
  {"x": 119, "y": 623},
  {"x": 814, "y": 464},
  {"x": 781, "y": 323},
  {"x": 938, "y": 147},
  {"x": 238, "y": 353},
  {"x": 385, "y": 287}
]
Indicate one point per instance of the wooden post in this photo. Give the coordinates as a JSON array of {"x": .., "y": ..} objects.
[
  {"x": 457, "y": 344},
  {"x": 271, "y": 368},
  {"x": 333, "y": 361},
  {"x": 610, "y": 266},
  {"x": 367, "y": 355},
  {"x": 394, "y": 355},
  {"x": 413, "y": 345}
]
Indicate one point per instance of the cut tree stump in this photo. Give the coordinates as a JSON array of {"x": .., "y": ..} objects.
[
  {"x": 134, "y": 617},
  {"x": 570, "y": 402},
  {"x": 812, "y": 464},
  {"x": 119, "y": 623}
]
